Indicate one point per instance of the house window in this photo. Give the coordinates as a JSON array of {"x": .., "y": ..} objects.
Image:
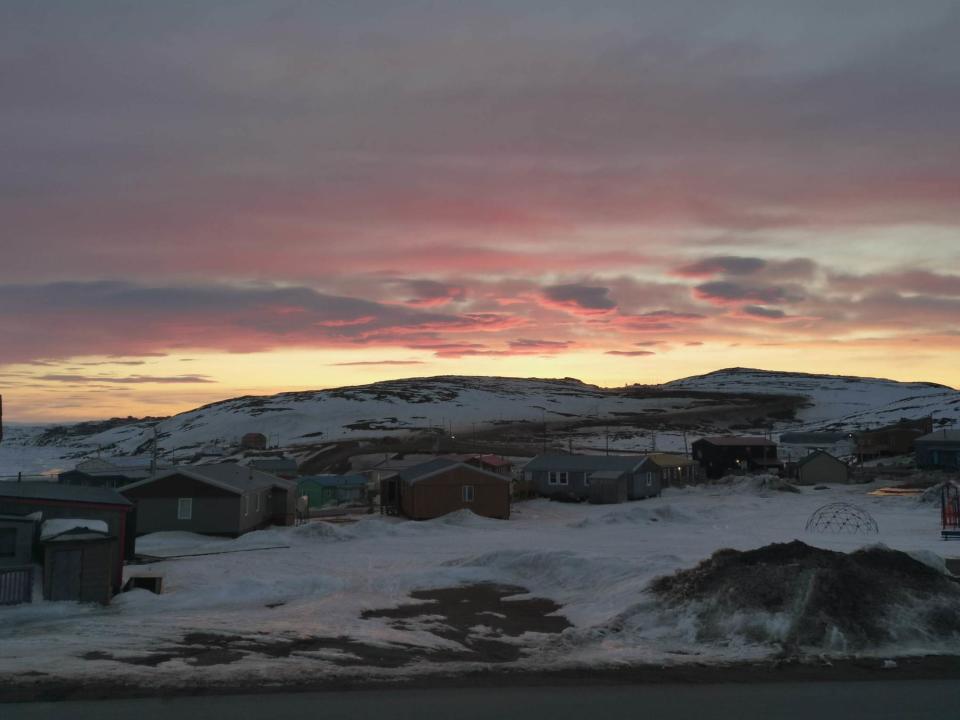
[
  {"x": 246, "y": 505},
  {"x": 8, "y": 542},
  {"x": 586, "y": 479},
  {"x": 185, "y": 509},
  {"x": 564, "y": 478},
  {"x": 552, "y": 477},
  {"x": 257, "y": 506},
  {"x": 468, "y": 493},
  {"x": 649, "y": 479}
]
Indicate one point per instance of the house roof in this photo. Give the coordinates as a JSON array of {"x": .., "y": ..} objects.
[
  {"x": 738, "y": 441},
  {"x": 817, "y": 454},
  {"x": 430, "y": 468},
  {"x": 272, "y": 463},
  {"x": 62, "y": 493},
  {"x": 584, "y": 463},
  {"x": 940, "y": 436},
  {"x": 76, "y": 528},
  {"x": 333, "y": 480},
  {"x": 226, "y": 476},
  {"x": 669, "y": 460}
]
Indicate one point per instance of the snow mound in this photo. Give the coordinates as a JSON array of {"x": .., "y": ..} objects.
[
  {"x": 798, "y": 596},
  {"x": 636, "y": 515},
  {"x": 463, "y": 518},
  {"x": 545, "y": 571}
]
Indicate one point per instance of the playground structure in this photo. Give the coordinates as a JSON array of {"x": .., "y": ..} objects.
[
  {"x": 950, "y": 511},
  {"x": 843, "y": 519}
]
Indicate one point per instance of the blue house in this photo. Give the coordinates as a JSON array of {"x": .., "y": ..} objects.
[
  {"x": 939, "y": 450},
  {"x": 570, "y": 476},
  {"x": 327, "y": 490}
]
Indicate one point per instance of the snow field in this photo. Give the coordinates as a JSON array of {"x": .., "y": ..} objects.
[{"x": 594, "y": 560}]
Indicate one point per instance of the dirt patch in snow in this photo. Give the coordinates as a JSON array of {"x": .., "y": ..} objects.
[
  {"x": 819, "y": 598},
  {"x": 476, "y": 618}
]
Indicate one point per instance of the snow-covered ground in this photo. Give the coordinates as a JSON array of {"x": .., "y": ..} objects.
[{"x": 593, "y": 560}]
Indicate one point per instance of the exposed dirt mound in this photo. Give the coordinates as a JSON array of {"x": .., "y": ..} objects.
[{"x": 803, "y": 596}]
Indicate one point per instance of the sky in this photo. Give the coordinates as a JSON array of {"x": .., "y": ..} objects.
[{"x": 204, "y": 200}]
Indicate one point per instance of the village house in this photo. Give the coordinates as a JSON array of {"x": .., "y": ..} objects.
[
  {"x": 939, "y": 450},
  {"x": 332, "y": 490},
  {"x": 797, "y": 445},
  {"x": 669, "y": 469},
  {"x": 442, "y": 486},
  {"x": 220, "y": 499},
  {"x": 896, "y": 439},
  {"x": 569, "y": 477},
  {"x": 821, "y": 467},
  {"x": 97, "y": 472},
  {"x": 78, "y": 555},
  {"x": 720, "y": 456}
]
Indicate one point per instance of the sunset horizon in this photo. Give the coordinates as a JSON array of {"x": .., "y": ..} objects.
[{"x": 205, "y": 202}]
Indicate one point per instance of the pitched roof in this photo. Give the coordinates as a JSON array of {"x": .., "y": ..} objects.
[
  {"x": 430, "y": 468},
  {"x": 738, "y": 441},
  {"x": 669, "y": 460},
  {"x": 940, "y": 436},
  {"x": 62, "y": 493},
  {"x": 817, "y": 454},
  {"x": 584, "y": 463},
  {"x": 226, "y": 476}
]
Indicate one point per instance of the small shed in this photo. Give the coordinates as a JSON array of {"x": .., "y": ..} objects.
[
  {"x": 325, "y": 490},
  {"x": 55, "y": 500},
  {"x": 608, "y": 487},
  {"x": 78, "y": 557},
  {"x": 939, "y": 450},
  {"x": 822, "y": 467}
]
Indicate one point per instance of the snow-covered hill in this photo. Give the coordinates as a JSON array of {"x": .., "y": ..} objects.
[
  {"x": 455, "y": 403},
  {"x": 838, "y": 401},
  {"x": 465, "y": 405}
]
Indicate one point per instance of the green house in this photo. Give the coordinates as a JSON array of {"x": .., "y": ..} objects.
[{"x": 329, "y": 490}]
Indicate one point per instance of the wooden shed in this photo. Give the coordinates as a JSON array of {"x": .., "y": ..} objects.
[
  {"x": 69, "y": 501},
  {"x": 442, "y": 486},
  {"x": 78, "y": 557},
  {"x": 608, "y": 487}
]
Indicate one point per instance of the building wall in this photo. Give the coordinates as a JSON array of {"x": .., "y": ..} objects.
[
  {"x": 822, "y": 469},
  {"x": 24, "y": 533},
  {"x": 576, "y": 485},
  {"x": 443, "y": 493},
  {"x": 644, "y": 483},
  {"x": 719, "y": 460}
]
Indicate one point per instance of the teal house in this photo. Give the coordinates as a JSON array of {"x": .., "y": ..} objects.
[{"x": 329, "y": 490}]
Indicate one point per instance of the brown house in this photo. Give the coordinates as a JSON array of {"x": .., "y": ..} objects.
[{"x": 442, "y": 486}]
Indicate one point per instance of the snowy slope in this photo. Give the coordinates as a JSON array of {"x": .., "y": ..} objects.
[
  {"x": 459, "y": 404},
  {"x": 837, "y": 401}
]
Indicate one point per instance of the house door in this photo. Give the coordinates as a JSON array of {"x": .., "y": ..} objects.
[{"x": 65, "y": 575}]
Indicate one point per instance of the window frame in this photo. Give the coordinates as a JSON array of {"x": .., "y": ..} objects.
[
  {"x": 563, "y": 478},
  {"x": 551, "y": 477},
  {"x": 185, "y": 502},
  {"x": 464, "y": 493}
]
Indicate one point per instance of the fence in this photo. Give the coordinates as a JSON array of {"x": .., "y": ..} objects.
[{"x": 16, "y": 585}]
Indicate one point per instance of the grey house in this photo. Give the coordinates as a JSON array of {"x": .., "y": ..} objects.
[
  {"x": 938, "y": 450},
  {"x": 570, "y": 477},
  {"x": 822, "y": 467},
  {"x": 220, "y": 499}
]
